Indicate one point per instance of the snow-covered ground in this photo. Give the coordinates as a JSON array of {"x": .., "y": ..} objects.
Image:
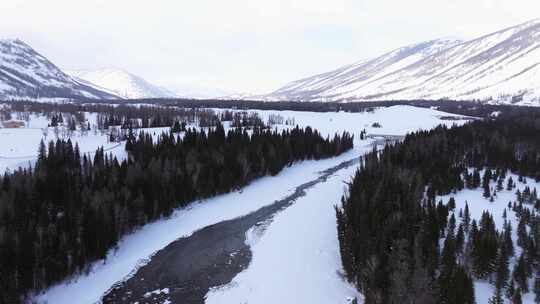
[
  {"x": 19, "y": 147},
  {"x": 296, "y": 260},
  {"x": 134, "y": 249},
  {"x": 477, "y": 205},
  {"x": 395, "y": 120}
]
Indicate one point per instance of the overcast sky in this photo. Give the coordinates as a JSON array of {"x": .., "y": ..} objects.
[{"x": 242, "y": 45}]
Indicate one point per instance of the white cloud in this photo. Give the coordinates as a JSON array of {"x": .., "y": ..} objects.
[{"x": 242, "y": 45}]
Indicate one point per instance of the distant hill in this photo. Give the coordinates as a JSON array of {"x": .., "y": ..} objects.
[{"x": 122, "y": 83}]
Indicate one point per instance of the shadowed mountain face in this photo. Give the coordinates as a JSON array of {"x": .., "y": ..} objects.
[
  {"x": 503, "y": 66},
  {"x": 26, "y": 74}
]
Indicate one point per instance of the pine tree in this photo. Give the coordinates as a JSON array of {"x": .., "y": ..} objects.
[
  {"x": 460, "y": 239},
  {"x": 476, "y": 180},
  {"x": 510, "y": 184},
  {"x": 42, "y": 152},
  {"x": 516, "y": 298},
  {"x": 520, "y": 274},
  {"x": 508, "y": 243},
  {"x": 537, "y": 289},
  {"x": 522, "y": 233},
  {"x": 451, "y": 204},
  {"x": 466, "y": 217},
  {"x": 500, "y": 186},
  {"x": 452, "y": 225},
  {"x": 510, "y": 290},
  {"x": 502, "y": 272},
  {"x": 497, "y": 297},
  {"x": 399, "y": 272},
  {"x": 485, "y": 183}
]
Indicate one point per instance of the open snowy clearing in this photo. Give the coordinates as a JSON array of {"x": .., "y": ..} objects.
[
  {"x": 137, "y": 247},
  {"x": 395, "y": 120},
  {"x": 19, "y": 147}
]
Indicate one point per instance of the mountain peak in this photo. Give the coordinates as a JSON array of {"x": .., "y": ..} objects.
[{"x": 122, "y": 83}]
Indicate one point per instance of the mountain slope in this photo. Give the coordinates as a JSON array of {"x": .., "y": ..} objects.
[
  {"x": 24, "y": 73},
  {"x": 503, "y": 66},
  {"x": 122, "y": 83}
]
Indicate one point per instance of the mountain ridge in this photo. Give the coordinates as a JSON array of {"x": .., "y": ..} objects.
[
  {"x": 503, "y": 66},
  {"x": 25, "y": 73}
]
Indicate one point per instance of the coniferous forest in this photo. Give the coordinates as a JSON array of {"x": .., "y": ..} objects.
[
  {"x": 400, "y": 245},
  {"x": 70, "y": 209}
]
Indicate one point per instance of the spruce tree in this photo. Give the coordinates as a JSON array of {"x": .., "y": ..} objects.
[
  {"x": 399, "y": 272},
  {"x": 451, "y": 204},
  {"x": 516, "y": 298},
  {"x": 537, "y": 289},
  {"x": 476, "y": 180},
  {"x": 510, "y": 184},
  {"x": 500, "y": 186},
  {"x": 520, "y": 274},
  {"x": 466, "y": 217},
  {"x": 511, "y": 289}
]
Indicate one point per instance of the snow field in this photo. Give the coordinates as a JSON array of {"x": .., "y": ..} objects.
[
  {"x": 395, "y": 120},
  {"x": 19, "y": 147}
]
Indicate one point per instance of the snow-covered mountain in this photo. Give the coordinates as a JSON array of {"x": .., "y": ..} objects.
[
  {"x": 500, "y": 67},
  {"x": 122, "y": 83},
  {"x": 24, "y": 73}
]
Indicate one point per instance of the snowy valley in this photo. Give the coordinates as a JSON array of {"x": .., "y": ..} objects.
[{"x": 136, "y": 167}]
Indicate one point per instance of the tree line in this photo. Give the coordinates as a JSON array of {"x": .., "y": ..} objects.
[
  {"x": 128, "y": 116},
  {"x": 470, "y": 108},
  {"x": 71, "y": 208}
]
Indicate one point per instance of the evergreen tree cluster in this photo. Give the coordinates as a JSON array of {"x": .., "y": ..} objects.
[
  {"x": 123, "y": 115},
  {"x": 246, "y": 120},
  {"x": 56, "y": 119},
  {"x": 390, "y": 226},
  {"x": 70, "y": 209},
  {"x": 469, "y": 108},
  {"x": 153, "y": 117}
]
